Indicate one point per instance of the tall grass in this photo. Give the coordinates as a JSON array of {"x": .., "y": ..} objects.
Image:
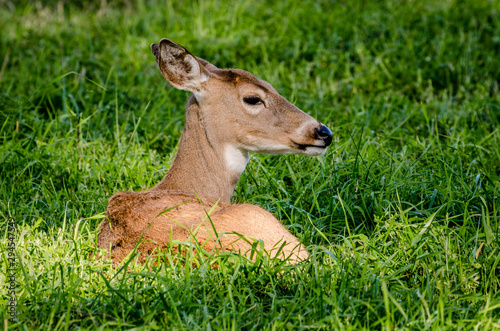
[{"x": 401, "y": 216}]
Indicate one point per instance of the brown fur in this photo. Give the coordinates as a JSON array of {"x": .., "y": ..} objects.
[
  {"x": 132, "y": 215},
  {"x": 220, "y": 131}
]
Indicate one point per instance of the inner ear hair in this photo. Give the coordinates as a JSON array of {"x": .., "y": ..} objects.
[{"x": 179, "y": 67}]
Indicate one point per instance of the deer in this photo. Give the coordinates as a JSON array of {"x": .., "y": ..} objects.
[{"x": 229, "y": 114}]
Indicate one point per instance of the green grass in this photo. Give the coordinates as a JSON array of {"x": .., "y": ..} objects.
[{"x": 401, "y": 215}]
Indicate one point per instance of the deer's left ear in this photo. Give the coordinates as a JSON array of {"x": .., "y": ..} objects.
[{"x": 179, "y": 67}]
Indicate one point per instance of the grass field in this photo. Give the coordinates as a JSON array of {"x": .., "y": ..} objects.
[{"x": 401, "y": 216}]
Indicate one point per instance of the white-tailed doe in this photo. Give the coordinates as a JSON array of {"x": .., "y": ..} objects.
[{"x": 229, "y": 114}]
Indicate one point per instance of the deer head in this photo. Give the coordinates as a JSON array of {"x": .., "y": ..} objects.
[{"x": 230, "y": 113}]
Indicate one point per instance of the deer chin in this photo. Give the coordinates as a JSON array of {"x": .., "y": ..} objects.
[
  {"x": 309, "y": 149},
  {"x": 314, "y": 150}
]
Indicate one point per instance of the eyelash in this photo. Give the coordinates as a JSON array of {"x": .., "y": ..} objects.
[{"x": 252, "y": 100}]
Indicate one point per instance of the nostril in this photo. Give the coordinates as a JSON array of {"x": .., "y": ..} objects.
[{"x": 324, "y": 134}]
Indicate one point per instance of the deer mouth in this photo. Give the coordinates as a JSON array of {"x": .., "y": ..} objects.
[
  {"x": 310, "y": 149},
  {"x": 321, "y": 135},
  {"x": 303, "y": 147}
]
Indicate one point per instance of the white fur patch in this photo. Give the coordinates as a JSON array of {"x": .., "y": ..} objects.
[
  {"x": 195, "y": 72},
  {"x": 313, "y": 151},
  {"x": 236, "y": 159}
]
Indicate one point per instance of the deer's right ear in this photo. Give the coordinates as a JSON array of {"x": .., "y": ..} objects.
[{"x": 179, "y": 67}]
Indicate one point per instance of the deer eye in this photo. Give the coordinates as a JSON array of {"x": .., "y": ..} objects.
[{"x": 252, "y": 100}]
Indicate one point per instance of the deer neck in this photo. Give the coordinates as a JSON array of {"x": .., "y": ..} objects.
[{"x": 205, "y": 163}]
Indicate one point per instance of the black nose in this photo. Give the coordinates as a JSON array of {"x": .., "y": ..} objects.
[{"x": 324, "y": 134}]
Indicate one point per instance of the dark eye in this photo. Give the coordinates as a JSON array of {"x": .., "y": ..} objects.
[{"x": 252, "y": 100}]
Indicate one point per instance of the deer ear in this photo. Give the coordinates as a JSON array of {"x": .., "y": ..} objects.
[{"x": 179, "y": 67}]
